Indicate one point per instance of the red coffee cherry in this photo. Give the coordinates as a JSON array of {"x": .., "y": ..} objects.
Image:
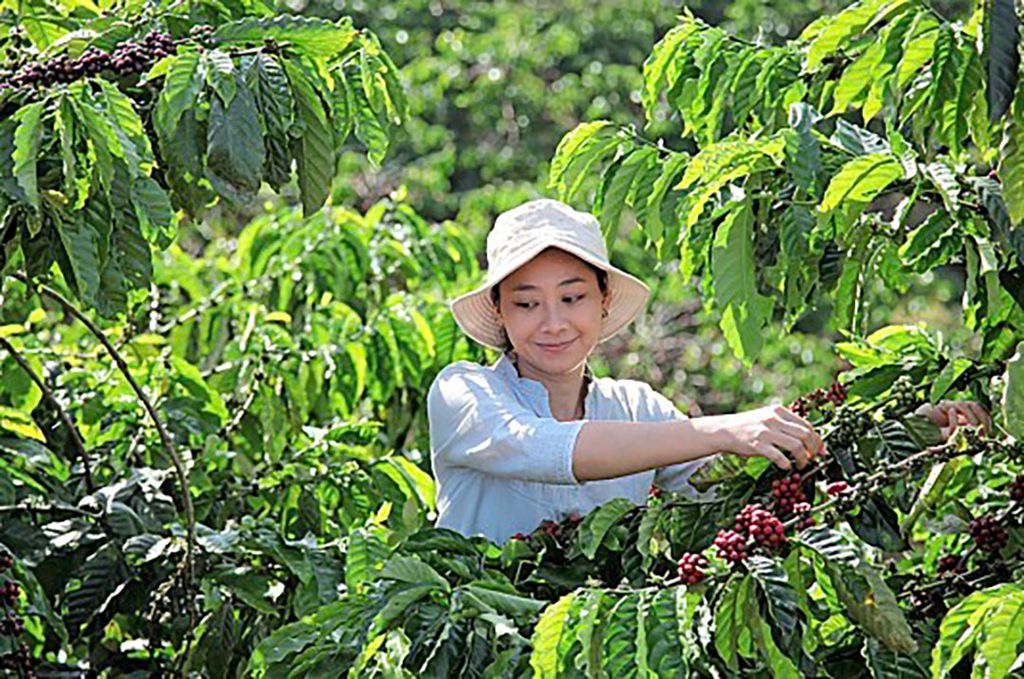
[
  {"x": 950, "y": 564},
  {"x": 761, "y": 524},
  {"x": 732, "y": 546},
  {"x": 987, "y": 533},
  {"x": 691, "y": 567},
  {"x": 837, "y": 488},
  {"x": 803, "y": 509},
  {"x": 787, "y": 492}
]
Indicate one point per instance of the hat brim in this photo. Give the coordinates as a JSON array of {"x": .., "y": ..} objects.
[{"x": 474, "y": 311}]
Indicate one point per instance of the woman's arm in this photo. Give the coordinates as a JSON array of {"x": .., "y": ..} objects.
[
  {"x": 773, "y": 432},
  {"x": 475, "y": 423}
]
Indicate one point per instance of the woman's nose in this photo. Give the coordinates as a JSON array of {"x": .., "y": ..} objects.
[{"x": 553, "y": 318}]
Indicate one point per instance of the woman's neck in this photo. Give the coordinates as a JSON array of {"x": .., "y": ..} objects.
[{"x": 566, "y": 391}]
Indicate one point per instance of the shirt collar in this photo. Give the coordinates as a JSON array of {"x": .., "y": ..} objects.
[{"x": 535, "y": 389}]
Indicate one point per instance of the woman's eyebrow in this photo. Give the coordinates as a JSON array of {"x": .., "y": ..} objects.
[{"x": 529, "y": 286}]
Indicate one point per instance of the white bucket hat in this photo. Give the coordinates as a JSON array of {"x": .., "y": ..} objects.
[{"x": 519, "y": 235}]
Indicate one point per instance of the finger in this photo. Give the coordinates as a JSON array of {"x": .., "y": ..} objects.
[
  {"x": 818, "y": 444},
  {"x": 775, "y": 455},
  {"x": 983, "y": 416},
  {"x": 940, "y": 414},
  {"x": 805, "y": 437},
  {"x": 793, "y": 445},
  {"x": 962, "y": 409}
]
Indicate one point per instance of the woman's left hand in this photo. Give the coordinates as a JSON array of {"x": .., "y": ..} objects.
[{"x": 948, "y": 415}]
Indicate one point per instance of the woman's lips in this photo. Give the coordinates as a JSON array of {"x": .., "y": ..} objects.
[{"x": 555, "y": 348}]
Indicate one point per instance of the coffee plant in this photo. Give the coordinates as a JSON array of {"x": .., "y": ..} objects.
[{"x": 212, "y": 435}]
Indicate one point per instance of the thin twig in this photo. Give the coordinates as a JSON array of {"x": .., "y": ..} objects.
[{"x": 76, "y": 439}]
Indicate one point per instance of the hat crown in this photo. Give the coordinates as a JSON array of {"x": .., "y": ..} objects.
[{"x": 543, "y": 220}]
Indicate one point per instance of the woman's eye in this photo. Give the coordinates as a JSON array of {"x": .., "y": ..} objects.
[
  {"x": 525, "y": 305},
  {"x": 573, "y": 299}
]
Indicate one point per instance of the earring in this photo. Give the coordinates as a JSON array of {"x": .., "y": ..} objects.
[{"x": 604, "y": 313}]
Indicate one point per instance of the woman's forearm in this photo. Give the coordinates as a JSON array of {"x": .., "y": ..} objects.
[{"x": 606, "y": 449}]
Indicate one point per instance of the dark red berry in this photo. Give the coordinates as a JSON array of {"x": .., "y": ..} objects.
[
  {"x": 691, "y": 567},
  {"x": 803, "y": 509},
  {"x": 654, "y": 491},
  {"x": 6, "y": 561},
  {"x": 837, "y": 488},
  {"x": 950, "y": 564},
  {"x": 9, "y": 592},
  {"x": 1017, "y": 489},
  {"x": 787, "y": 492},
  {"x": 732, "y": 546},
  {"x": 760, "y": 524},
  {"x": 987, "y": 533},
  {"x": 551, "y": 528}
]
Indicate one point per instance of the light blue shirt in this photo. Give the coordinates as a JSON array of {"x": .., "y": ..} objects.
[{"x": 503, "y": 463}]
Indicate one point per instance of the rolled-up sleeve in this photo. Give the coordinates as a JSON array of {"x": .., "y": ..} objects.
[
  {"x": 655, "y": 407},
  {"x": 475, "y": 422}
]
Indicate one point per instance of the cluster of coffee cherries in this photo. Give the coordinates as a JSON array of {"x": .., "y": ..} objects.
[
  {"x": 788, "y": 492},
  {"x": 11, "y": 625},
  {"x": 950, "y": 565},
  {"x": 835, "y": 394},
  {"x": 761, "y": 524},
  {"x": 904, "y": 395},
  {"x": 847, "y": 427},
  {"x": 691, "y": 568},
  {"x": 553, "y": 529},
  {"x": 987, "y": 533},
  {"x": 732, "y": 546},
  {"x": 753, "y": 522},
  {"x": 128, "y": 58},
  {"x": 927, "y": 603}
]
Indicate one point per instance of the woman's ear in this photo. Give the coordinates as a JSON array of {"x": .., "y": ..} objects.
[{"x": 606, "y": 301}]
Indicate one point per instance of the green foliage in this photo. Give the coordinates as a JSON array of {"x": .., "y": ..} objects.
[
  {"x": 225, "y": 116},
  {"x": 287, "y": 350},
  {"x": 828, "y": 127}
]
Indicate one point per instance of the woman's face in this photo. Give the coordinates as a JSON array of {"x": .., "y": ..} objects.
[{"x": 552, "y": 310}]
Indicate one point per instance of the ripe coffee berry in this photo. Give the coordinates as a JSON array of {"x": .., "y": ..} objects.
[
  {"x": 987, "y": 533},
  {"x": 837, "y": 488},
  {"x": 803, "y": 509},
  {"x": 9, "y": 592},
  {"x": 836, "y": 393},
  {"x": 12, "y": 625},
  {"x": 949, "y": 564},
  {"x": 521, "y": 536},
  {"x": 787, "y": 492},
  {"x": 732, "y": 546},
  {"x": 761, "y": 524},
  {"x": 551, "y": 528},
  {"x": 691, "y": 568},
  {"x": 654, "y": 491},
  {"x": 1017, "y": 489},
  {"x": 743, "y": 518},
  {"x": 6, "y": 561}
]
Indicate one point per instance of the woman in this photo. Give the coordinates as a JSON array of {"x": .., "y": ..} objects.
[{"x": 536, "y": 436}]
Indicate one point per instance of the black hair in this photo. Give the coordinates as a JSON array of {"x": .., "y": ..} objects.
[{"x": 602, "y": 284}]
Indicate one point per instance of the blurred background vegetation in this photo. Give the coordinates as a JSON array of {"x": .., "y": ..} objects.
[{"x": 495, "y": 85}]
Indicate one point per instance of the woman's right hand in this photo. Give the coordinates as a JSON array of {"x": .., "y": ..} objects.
[{"x": 774, "y": 432}]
